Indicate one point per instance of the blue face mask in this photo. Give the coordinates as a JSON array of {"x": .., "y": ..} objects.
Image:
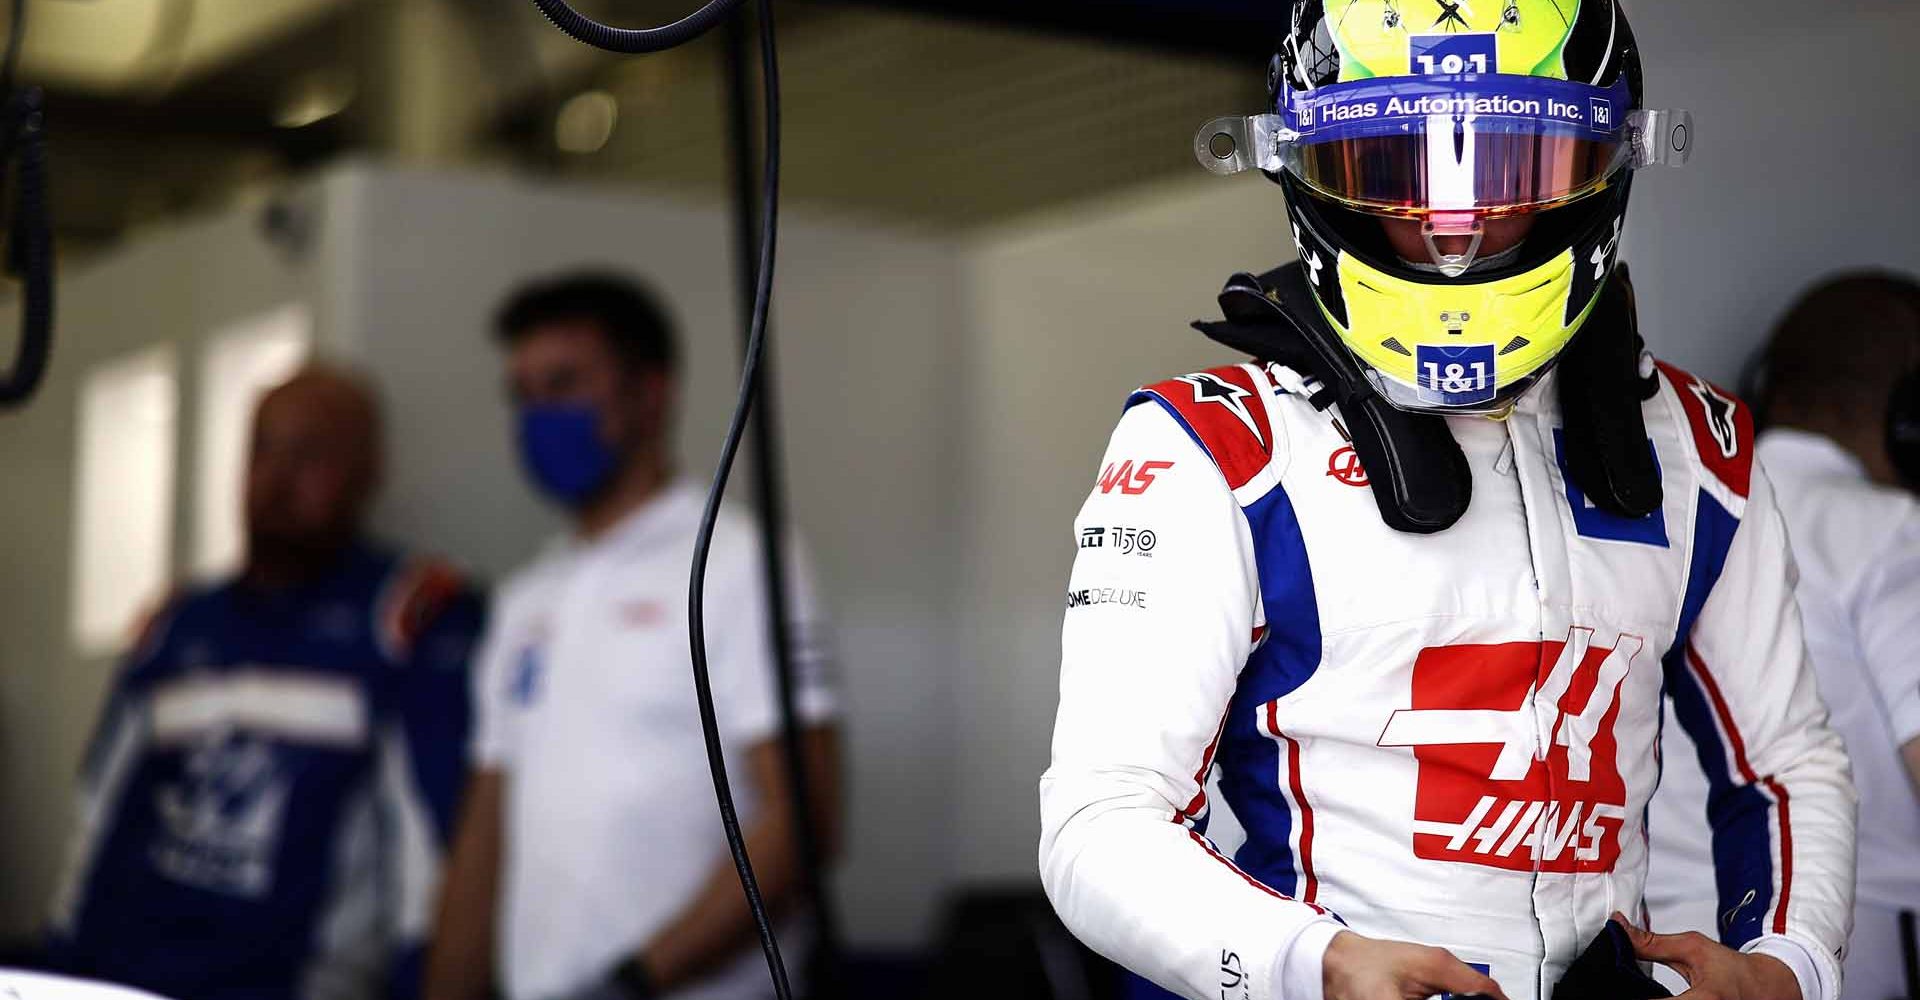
[{"x": 560, "y": 445}]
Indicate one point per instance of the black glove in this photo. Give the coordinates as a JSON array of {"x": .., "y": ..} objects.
[
  {"x": 634, "y": 980},
  {"x": 1608, "y": 971},
  {"x": 602, "y": 989},
  {"x": 628, "y": 981}
]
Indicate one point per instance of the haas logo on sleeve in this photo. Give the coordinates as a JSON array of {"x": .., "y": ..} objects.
[
  {"x": 1518, "y": 763},
  {"x": 1129, "y": 478}
]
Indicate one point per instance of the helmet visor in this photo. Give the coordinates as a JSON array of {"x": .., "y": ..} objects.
[
  {"x": 1455, "y": 163},
  {"x": 1488, "y": 144}
]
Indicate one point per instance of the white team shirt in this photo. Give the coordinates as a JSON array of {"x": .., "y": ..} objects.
[
  {"x": 20, "y": 985},
  {"x": 585, "y": 702},
  {"x": 1858, "y": 547}
]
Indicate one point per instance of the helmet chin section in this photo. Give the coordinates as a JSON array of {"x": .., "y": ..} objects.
[
  {"x": 1452, "y": 346},
  {"x": 1416, "y": 399},
  {"x": 1467, "y": 342}
]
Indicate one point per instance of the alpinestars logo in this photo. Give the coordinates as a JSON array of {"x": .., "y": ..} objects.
[
  {"x": 1518, "y": 771},
  {"x": 1720, "y": 423},
  {"x": 1209, "y": 388}
]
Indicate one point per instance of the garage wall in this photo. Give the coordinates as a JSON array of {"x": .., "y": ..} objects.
[
  {"x": 1805, "y": 164},
  {"x": 402, "y": 274}
]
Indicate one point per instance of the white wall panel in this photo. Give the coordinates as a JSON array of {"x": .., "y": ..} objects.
[
  {"x": 237, "y": 365},
  {"x": 124, "y": 512}
]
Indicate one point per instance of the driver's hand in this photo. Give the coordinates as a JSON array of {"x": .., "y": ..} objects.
[
  {"x": 1712, "y": 970},
  {"x": 1358, "y": 968}
]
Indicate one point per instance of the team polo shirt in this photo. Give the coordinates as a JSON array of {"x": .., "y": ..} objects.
[{"x": 585, "y": 701}]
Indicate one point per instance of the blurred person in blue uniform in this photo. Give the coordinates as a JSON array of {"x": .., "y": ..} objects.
[
  {"x": 589, "y": 860},
  {"x": 1832, "y": 397},
  {"x": 264, "y": 804}
]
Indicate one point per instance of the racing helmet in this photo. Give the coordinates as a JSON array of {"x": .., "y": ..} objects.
[{"x": 1456, "y": 174}]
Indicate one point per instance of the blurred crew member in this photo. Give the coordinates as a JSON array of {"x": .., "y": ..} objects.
[
  {"x": 265, "y": 803},
  {"x": 1831, "y": 373},
  {"x": 590, "y": 860},
  {"x": 1417, "y": 581}
]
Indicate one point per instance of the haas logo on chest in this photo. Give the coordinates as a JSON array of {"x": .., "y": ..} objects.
[{"x": 1518, "y": 763}]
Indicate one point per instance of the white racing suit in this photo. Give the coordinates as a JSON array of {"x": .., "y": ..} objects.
[{"x": 1446, "y": 739}]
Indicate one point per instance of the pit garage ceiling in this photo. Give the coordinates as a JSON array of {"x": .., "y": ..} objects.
[
  {"x": 938, "y": 113},
  {"x": 119, "y": 46},
  {"x": 927, "y": 118}
]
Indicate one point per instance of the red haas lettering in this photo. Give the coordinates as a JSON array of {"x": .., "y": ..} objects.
[
  {"x": 1518, "y": 770},
  {"x": 1129, "y": 480}
]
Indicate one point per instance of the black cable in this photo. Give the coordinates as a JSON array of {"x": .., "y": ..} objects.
[
  {"x": 823, "y": 964},
  {"x": 703, "y": 544},
  {"x": 653, "y": 40},
  {"x": 635, "y": 41},
  {"x": 30, "y": 250},
  {"x": 1910, "y": 952}
]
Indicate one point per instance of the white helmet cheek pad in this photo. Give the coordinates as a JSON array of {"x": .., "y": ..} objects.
[{"x": 1487, "y": 143}]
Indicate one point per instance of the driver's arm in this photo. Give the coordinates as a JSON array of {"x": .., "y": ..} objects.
[
  {"x": 1782, "y": 800},
  {"x": 1151, "y": 654}
]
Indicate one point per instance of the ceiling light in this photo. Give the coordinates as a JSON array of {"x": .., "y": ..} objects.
[
  {"x": 586, "y": 122},
  {"x": 315, "y": 98}
]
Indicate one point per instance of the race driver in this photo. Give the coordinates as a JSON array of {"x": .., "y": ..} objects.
[{"x": 1417, "y": 581}]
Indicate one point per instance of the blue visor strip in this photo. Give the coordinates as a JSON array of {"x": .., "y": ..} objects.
[{"x": 1403, "y": 105}]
